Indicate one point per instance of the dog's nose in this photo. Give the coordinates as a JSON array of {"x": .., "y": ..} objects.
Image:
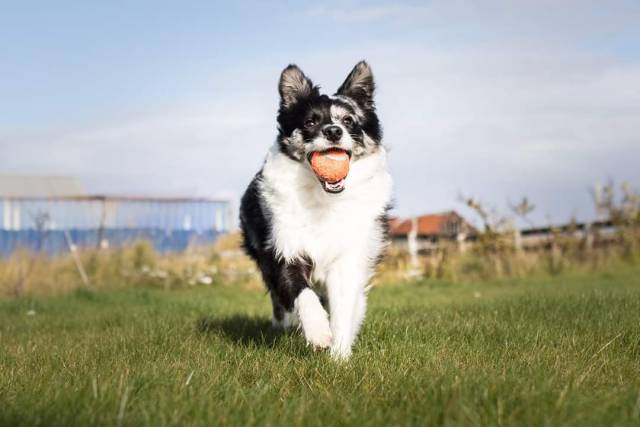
[{"x": 332, "y": 133}]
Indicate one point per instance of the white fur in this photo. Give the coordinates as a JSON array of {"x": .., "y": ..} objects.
[
  {"x": 314, "y": 320},
  {"x": 338, "y": 232},
  {"x": 338, "y": 113},
  {"x": 354, "y": 105}
]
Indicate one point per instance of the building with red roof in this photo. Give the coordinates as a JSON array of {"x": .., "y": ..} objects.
[{"x": 428, "y": 230}]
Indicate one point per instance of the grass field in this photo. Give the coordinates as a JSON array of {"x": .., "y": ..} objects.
[{"x": 563, "y": 351}]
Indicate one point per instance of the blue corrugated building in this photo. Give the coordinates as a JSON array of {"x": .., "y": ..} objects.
[{"x": 49, "y": 214}]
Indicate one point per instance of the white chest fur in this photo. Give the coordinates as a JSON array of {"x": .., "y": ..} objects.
[{"x": 306, "y": 220}]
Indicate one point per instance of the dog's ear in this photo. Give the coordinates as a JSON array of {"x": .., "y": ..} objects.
[
  {"x": 359, "y": 86},
  {"x": 294, "y": 86}
]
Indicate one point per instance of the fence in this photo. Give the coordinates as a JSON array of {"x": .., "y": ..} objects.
[{"x": 51, "y": 224}]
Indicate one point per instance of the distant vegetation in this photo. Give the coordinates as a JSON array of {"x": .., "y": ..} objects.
[
  {"x": 493, "y": 254},
  {"x": 496, "y": 251},
  {"x": 138, "y": 265}
]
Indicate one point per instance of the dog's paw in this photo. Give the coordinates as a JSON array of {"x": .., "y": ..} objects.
[
  {"x": 317, "y": 332},
  {"x": 313, "y": 319}
]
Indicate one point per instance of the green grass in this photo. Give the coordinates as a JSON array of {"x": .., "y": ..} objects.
[{"x": 561, "y": 351}]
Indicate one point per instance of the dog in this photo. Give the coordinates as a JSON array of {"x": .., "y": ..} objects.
[{"x": 315, "y": 242}]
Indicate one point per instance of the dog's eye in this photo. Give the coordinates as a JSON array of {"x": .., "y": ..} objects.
[
  {"x": 309, "y": 123},
  {"x": 348, "y": 120}
]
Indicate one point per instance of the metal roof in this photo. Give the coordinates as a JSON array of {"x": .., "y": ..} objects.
[
  {"x": 115, "y": 199},
  {"x": 61, "y": 188},
  {"x": 39, "y": 186}
]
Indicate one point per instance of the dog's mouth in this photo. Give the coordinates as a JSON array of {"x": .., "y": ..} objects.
[
  {"x": 333, "y": 187},
  {"x": 331, "y": 168}
]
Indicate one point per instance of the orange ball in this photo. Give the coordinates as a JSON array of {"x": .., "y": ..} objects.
[{"x": 331, "y": 165}]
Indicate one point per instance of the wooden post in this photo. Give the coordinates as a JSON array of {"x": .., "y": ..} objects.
[
  {"x": 412, "y": 243},
  {"x": 517, "y": 240},
  {"x": 588, "y": 237},
  {"x": 461, "y": 240},
  {"x": 76, "y": 258},
  {"x": 103, "y": 220}
]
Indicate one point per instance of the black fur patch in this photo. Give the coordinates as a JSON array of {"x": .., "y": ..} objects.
[
  {"x": 383, "y": 223},
  {"x": 285, "y": 280}
]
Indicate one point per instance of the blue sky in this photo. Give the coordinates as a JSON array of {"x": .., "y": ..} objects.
[{"x": 494, "y": 99}]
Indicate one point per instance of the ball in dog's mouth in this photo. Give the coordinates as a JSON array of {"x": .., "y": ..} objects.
[{"x": 331, "y": 167}]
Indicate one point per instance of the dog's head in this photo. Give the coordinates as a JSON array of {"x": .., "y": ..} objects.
[{"x": 310, "y": 122}]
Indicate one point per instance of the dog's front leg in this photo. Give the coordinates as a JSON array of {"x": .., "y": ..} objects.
[{"x": 346, "y": 282}]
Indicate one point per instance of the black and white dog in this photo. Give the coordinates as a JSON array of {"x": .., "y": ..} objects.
[{"x": 314, "y": 240}]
